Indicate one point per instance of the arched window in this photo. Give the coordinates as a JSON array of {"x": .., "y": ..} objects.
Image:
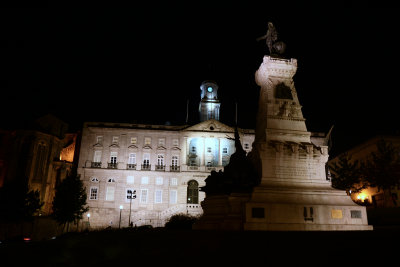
[{"x": 193, "y": 192}]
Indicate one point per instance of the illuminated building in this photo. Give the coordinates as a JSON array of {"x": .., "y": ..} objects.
[{"x": 164, "y": 164}]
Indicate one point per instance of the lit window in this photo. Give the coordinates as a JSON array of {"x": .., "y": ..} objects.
[
  {"x": 97, "y": 156},
  {"x": 110, "y": 193},
  {"x": 159, "y": 181},
  {"x": 224, "y": 150},
  {"x": 130, "y": 179},
  {"x": 132, "y": 158},
  {"x": 146, "y": 159},
  {"x": 173, "y": 196},
  {"x": 161, "y": 142},
  {"x": 160, "y": 160},
  {"x": 143, "y": 195},
  {"x": 174, "y": 181},
  {"x": 113, "y": 157},
  {"x": 145, "y": 180},
  {"x": 99, "y": 139},
  {"x": 133, "y": 140},
  {"x": 158, "y": 196},
  {"x": 93, "y": 193},
  {"x": 175, "y": 161},
  {"x": 147, "y": 141},
  {"x": 175, "y": 142}
]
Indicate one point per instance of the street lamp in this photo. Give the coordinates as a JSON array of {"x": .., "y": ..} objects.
[
  {"x": 132, "y": 195},
  {"x": 120, "y": 209},
  {"x": 88, "y": 222}
]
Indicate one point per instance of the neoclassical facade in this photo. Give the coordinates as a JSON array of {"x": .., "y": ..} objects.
[{"x": 143, "y": 174}]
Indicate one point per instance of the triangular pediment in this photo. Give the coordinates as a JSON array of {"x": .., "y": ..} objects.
[
  {"x": 161, "y": 148},
  {"x": 211, "y": 126},
  {"x": 175, "y": 148}
]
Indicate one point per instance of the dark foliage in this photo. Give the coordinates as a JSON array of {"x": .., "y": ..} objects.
[
  {"x": 17, "y": 203},
  {"x": 181, "y": 221},
  {"x": 347, "y": 174},
  {"x": 70, "y": 200}
]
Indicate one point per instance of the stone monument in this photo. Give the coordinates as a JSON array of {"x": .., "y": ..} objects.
[
  {"x": 294, "y": 192},
  {"x": 291, "y": 191}
]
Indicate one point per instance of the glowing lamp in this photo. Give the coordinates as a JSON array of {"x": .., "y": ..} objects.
[{"x": 121, "y": 207}]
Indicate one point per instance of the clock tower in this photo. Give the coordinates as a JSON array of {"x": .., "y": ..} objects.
[{"x": 209, "y": 104}]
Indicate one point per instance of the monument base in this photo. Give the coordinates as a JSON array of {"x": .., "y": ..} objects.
[{"x": 304, "y": 209}]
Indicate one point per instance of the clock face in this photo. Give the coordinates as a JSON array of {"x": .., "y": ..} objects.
[{"x": 209, "y": 89}]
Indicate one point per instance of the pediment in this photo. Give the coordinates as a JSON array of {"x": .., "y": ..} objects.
[
  {"x": 161, "y": 148},
  {"x": 211, "y": 126},
  {"x": 175, "y": 148},
  {"x": 98, "y": 145},
  {"x": 114, "y": 145},
  {"x": 147, "y": 147},
  {"x": 133, "y": 146}
]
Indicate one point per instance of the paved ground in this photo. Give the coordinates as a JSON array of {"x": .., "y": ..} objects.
[{"x": 161, "y": 247}]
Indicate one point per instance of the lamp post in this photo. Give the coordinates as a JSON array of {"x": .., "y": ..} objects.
[
  {"x": 88, "y": 221},
  {"x": 132, "y": 195},
  {"x": 120, "y": 209}
]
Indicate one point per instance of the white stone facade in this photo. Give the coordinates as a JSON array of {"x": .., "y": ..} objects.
[{"x": 164, "y": 164}]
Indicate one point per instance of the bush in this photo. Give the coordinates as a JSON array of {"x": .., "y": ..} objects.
[{"x": 181, "y": 221}]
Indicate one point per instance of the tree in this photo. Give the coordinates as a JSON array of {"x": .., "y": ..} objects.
[
  {"x": 383, "y": 167},
  {"x": 70, "y": 200},
  {"x": 347, "y": 174},
  {"x": 17, "y": 203}
]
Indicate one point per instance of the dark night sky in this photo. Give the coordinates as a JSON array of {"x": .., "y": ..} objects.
[{"x": 142, "y": 64}]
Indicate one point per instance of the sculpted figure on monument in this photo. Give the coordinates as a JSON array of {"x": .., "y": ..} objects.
[{"x": 275, "y": 46}]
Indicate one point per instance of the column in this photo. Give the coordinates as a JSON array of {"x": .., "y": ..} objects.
[
  {"x": 203, "y": 153},
  {"x": 184, "y": 151},
  {"x": 219, "y": 152}
]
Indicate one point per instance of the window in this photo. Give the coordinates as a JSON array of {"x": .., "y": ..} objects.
[
  {"x": 208, "y": 149},
  {"x": 93, "y": 193},
  {"x": 175, "y": 142},
  {"x": 110, "y": 193},
  {"x": 193, "y": 149},
  {"x": 130, "y": 180},
  {"x": 143, "y": 195},
  {"x": 115, "y": 139},
  {"x": 113, "y": 157},
  {"x": 224, "y": 150},
  {"x": 193, "y": 192},
  {"x": 161, "y": 142},
  {"x": 173, "y": 196},
  {"x": 175, "y": 161},
  {"x": 160, "y": 159},
  {"x": 145, "y": 180},
  {"x": 146, "y": 159},
  {"x": 174, "y": 181},
  {"x": 159, "y": 181},
  {"x": 95, "y": 180},
  {"x": 97, "y": 156},
  {"x": 133, "y": 140},
  {"x": 132, "y": 158},
  {"x": 158, "y": 196},
  {"x": 99, "y": 139},
  {"x": 147, "y": 141},
  {"x": 111, "y": 180},
  {"x": 246, "y": 146}
]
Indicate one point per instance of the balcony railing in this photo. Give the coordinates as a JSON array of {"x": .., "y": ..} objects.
[
  {"x": 130, "y": 166},
  {"x": 96, "y": 164},
  {"x": 146, "y": 167},
  {"x": 193, "y": 167},
  {"x": 160, "y": 167},
  {"x": 174, "y": 168},
  {"x": 111, "y": 165}
]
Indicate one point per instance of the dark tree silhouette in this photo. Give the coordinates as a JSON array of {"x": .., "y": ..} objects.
[
  {"x": 383, "y": 167},
  {"x": 70, "y": 200},
  {"x": 17, "y": 203},
  {"x": 347, "y": 174}
]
